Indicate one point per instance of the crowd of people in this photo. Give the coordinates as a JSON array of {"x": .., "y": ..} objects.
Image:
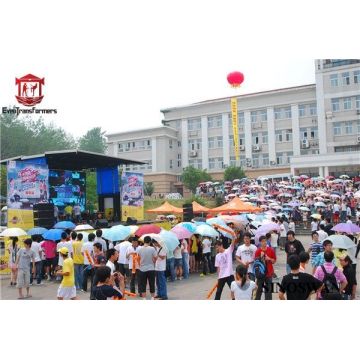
[{"x": 115, "y": 269}]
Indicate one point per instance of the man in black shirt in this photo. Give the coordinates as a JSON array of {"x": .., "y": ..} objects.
[
  {"x": 297, "y": 285},
  {"x": 328, "y": 227},
  {"x": 349, "y": 272},
  {"x": 292, "y": 246}
]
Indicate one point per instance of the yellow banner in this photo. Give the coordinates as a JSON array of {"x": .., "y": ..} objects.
[
  {"x": 23, "y": 219},
  {"x": 4, "y": 253},
  {"x": 234, "y": 115},
  {"x": 132, "y": 211}
]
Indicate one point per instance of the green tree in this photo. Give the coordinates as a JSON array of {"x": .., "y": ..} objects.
[
  {"x": 3, "y": 181},
  {"x": 24, "y": 136},
  {"x": 233, "y": 172},
  {"x": 149, "y": 188},
  {"x": 91, "y": 194},
  {"x": 191, "y": 177},
  {"x": 94, "y": 140}
]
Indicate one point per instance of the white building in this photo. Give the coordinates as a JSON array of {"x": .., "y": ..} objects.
[{"x": 313, "y": 129}]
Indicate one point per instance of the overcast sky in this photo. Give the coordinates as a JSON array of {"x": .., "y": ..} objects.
[{"x": 117, "y": 65}]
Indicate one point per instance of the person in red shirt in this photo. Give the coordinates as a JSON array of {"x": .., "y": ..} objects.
[{"x": 267, "y": 255}]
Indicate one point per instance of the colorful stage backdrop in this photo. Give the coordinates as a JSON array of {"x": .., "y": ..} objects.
[
  {"x": 28, "y": 184},
  {"x": 132, "y": 195}
]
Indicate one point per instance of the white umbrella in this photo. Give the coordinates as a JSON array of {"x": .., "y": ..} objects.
[
  {"x": 13, "y": 232},
  {"x": 304, "y": 208},
  {"x": 83, "y": 227},
  {"x": 341, "y": 241},
  {"x": 319, "y": 204},
  {"x": 344, "y": 177},
  {"x": 357, "y": 195}
]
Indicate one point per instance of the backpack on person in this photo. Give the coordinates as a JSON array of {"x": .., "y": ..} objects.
[
  {"x": 259, "y": 269},
  {"x": 331, "y": 289}
]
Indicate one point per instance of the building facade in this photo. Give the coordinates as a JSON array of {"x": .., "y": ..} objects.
[{"x": 312, "y": 129}]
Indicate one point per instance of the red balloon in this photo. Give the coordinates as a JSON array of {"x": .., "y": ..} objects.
[{"x": 235, "y": 78}]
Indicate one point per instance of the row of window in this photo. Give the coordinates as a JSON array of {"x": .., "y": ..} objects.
[
  {"x": 346, "y": 128},
  {"x": 283, "y": 158},
  {"x": 134, "y": 145},
  {"x": 215, "y": 121},
  {"x": 283, "y": 135},
  {"x": 310, "y": 133},
  {"x": 307, "y": 110},
  {"x": 137, "y": 167},
  {"x": 348, "y": 103},
  {"x": 345, "y": 78}
]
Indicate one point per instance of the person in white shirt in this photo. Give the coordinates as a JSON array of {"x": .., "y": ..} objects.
[
  {"x": 242, "y": 288},
  {"x": 245, "y": 255},
  {"x": 178, "y": 262},
  {"x": 314, "y": 225},
  {"x": 282, "y": 235},
  {"x": 64, "y": 243},
  {"x": 322, "y": 234},
  {"x": 88, "y": 247},
  {"x": 132, "y": 257},
  {"x": 291, "y": 225},
  {"x": 112, "y": 256},
  {"x": 123, "y": 261},
  {"x": 35, "y": 246},
  {"x": 348, "y": 221},
  {"x": 99, "y": 239},
  {"x": 160, "y": 268}
]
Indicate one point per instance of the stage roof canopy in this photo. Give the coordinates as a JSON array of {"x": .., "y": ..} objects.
[{"x": 75, "y": 160}]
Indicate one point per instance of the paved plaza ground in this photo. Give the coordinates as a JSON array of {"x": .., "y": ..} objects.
[{"x": 195, "y": 288}]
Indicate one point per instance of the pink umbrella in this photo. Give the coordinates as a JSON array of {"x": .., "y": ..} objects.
[
  {"x": 181, "y": 232},
  {"x": 346, "y": 228},
  {"x": 148, "y": 229}
]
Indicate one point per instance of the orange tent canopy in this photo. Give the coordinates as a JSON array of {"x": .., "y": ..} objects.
[
  {"x": 197, "y": 208},
  {"x": 236, "y": 205},
  {"x": 166, "y": 208}
]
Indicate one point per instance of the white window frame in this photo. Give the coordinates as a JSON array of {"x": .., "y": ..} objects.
[
  {"x": 287, "y": 112},
  {"x": 288, "y": 135},
  {"x": 347, "y": 103},
  {"x": 265, "y": 138},
  {"x": 277, "y": 114},
  {"x": 337, "y": 129},
  {"x": 345, "y": 78},
  {"x": 263, "y": 115},
  {"x": 278, "y": 135},
  {"x": 335, "y": 104},
  {"x": 334, "y": 80},
  {"x": 348, "y": 128},
  {"x": 313, "y": 109},
  {"x": 356, "y": 77},
  {"x": 302, "y": 110}
]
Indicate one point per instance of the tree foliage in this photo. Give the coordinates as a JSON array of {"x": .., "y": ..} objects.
[
  {"x": 24, "y": 136},
  {"x": 191, "y": 177},
  {"x": 233, "y": 172},
  {"x": 94, "y": 141},
  {"x": 149, "y": 188}
]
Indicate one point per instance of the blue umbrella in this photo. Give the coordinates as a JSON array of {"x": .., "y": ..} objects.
[
  {"x": 206, "y": 230},
  {"x": 117, "y": 233},
  {"x": 65, "y": 225},
  {"x": 170, "y": 240},
  {"x": 37, "y": 231},
  {"x": 188, "y": 226},
  {"x": 52, "y": 234}
]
